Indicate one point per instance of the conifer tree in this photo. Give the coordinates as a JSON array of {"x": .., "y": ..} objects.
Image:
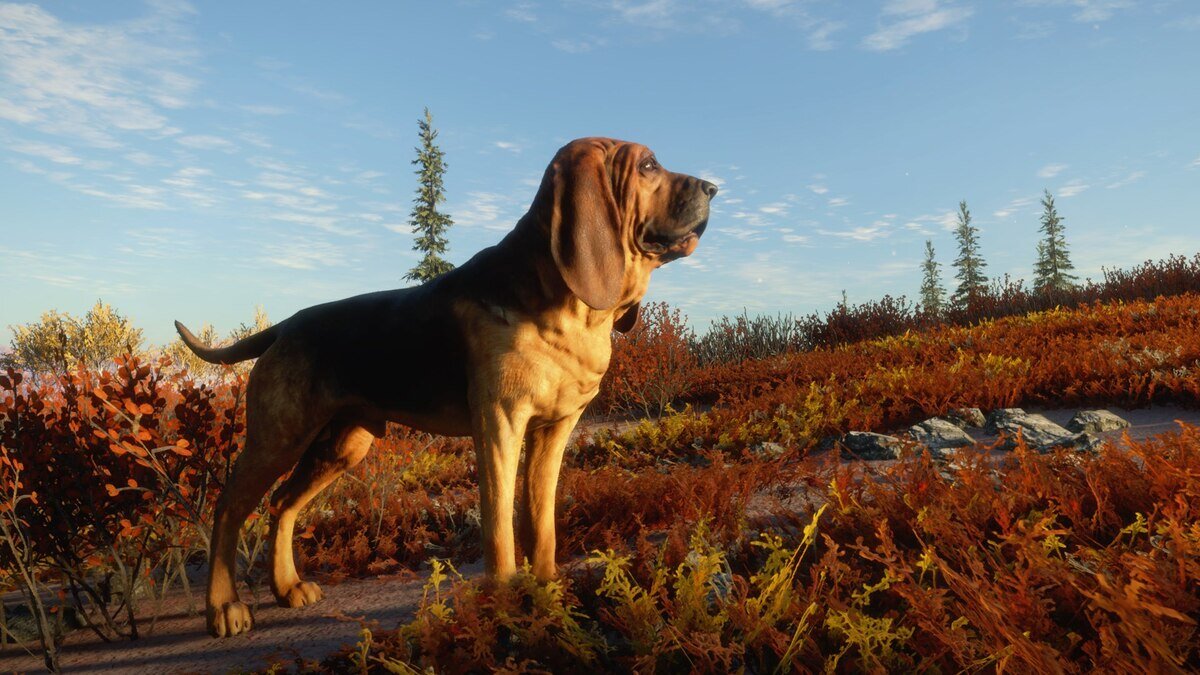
[
  {"x": 932, "y": 291},
  {"x": 1052, "y": 271},
  {"x": 972, "y": 282},
  {"x": 427, "y": 222}
]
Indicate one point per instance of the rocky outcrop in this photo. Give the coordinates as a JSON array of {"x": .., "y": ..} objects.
[
  {"x": 999, "y": 419},
  {"x": 1043, "y": 435},
  {"x": 1037, "y": 431},
  {"x": 944, "y": 434},
  {"x": 940, "y": 434},
  {"x": 966, "y": 417},
  {"x": 1084, "y": 441},
  {"x": 866, "y": 445},
  {"x": 1096, "y": 421}
]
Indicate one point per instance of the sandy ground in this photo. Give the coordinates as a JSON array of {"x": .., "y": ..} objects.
[{"x": 178, "y": 643}]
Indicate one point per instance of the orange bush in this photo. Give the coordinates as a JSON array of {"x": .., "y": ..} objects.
[{"x": 126, "y": 466}]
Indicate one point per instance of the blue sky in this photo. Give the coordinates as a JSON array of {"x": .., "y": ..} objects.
[{"x": 192, "y": 161}]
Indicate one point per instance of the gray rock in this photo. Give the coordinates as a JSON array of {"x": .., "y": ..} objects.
[
  {"x": 938, "y": 434},
  {"x": 1038, "y": 432},
  {"x": 22, "y": 624},
  {"x": 1001, "y": 416},
  {"x": 1085, "y": 441},
  {"x": 966, "y": 417},
  {"x": 1096, "y": 421},
  {"x": 768, "y": 449},
  {"x": 870, "y": 446}
]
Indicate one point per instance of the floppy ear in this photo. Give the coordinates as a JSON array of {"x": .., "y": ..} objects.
[
  {"x": 629, "y": 319},
  {"x": 585, "y": 230}
]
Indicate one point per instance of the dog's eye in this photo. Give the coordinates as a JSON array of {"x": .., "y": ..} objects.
[{"x": 649, "y": 165}]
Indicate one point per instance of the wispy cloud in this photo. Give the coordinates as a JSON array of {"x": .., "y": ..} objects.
[
  {"x": 54, "y": 153},
  {"x": 370, "y": 127},
  {"x": 1132, "y": 177},
  {"x": 651, "y": 13},
  {"x": 1051, "y": 170},
  {"x": 88, "y": 274},
  {"x": 508, "y": 145},
  {"x": 1072, "y": 188},
  {"x": 122, "y": 191},
  {"x": 820, "y": 36},
  {"x": 1034, "y": 30},
  {"x": 577, "y": 45},
  {"x": 489, "y": 210},
  {"x": 326, "y": 223},
  {"x": 876, "y": 230},
  {"x": 206, "y": 142},
  {"x": 301, "y": 253},
  {"x": 947, "y": 220},
  {"x": 157, "y": 243},
  {"x": 1086, "y": 11},
  {"x": 95, "y": 83},
  {"x": 790, "y": 237},
  {"x": 522, "y": 11},
  {"x": 905, "y": 19},
  {"x": 265, "y": 109},
  {"x": 1016, "y": 205},
  {"x": 838, "y": 202},
  {"x": 1186, "y": 23}
]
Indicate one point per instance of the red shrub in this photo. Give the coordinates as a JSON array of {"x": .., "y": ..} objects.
[{"x": 651, "y": 366}]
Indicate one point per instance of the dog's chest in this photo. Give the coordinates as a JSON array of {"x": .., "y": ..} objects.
[{"x": 554, "y": 370}]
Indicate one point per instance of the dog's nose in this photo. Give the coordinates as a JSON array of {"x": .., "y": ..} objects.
[{"x": 709, "y": 189}]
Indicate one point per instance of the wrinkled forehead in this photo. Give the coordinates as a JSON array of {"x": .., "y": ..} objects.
[
  {"x": 628, "y": 155},
  {"x": 615, "y": 151}
]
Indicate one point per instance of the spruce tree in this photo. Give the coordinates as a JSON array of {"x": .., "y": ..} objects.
[
  {"x": 932, "y": 291},
  {"x": 427, "y": 222},
  {"x": 972, "y": 283},
  {"x": 1052, "y": 271}
]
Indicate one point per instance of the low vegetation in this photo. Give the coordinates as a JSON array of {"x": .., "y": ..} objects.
[{"x": 712, "y": 536}]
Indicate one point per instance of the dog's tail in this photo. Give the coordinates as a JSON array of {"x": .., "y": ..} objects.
[{"x": 250, "y": 347}]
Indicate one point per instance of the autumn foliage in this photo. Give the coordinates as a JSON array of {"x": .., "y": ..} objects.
[{"x": 713, "y": 537}]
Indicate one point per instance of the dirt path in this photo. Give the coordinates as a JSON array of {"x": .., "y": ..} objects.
[{"x": 178, "y": 643}]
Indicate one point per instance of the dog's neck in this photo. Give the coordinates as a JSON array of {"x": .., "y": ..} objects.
[{"x": 544, "y": 287}]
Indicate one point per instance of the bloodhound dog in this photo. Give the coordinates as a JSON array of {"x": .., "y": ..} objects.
[{"x": 509, "y": 348}]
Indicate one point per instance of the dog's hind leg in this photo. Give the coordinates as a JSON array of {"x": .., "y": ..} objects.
[
  {"x": 256, "y": 469},
  {"x": 279, "y": 427},
  {"x": 324, "y": 461}
]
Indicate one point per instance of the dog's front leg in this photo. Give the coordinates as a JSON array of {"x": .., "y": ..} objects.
[
  {"x": 544, "y": 448},
  {"x": 498, "y": 437}
]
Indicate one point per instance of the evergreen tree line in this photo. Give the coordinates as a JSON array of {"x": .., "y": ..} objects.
[{"x": 1052, "y": 269}]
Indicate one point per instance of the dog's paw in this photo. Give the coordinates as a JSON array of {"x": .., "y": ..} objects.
[
  {"x": 229, "y": 619},
  {"x": 301, "y": 594}
]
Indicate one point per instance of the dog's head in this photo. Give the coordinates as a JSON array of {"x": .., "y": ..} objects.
[{"x": 615, "y": 214}]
